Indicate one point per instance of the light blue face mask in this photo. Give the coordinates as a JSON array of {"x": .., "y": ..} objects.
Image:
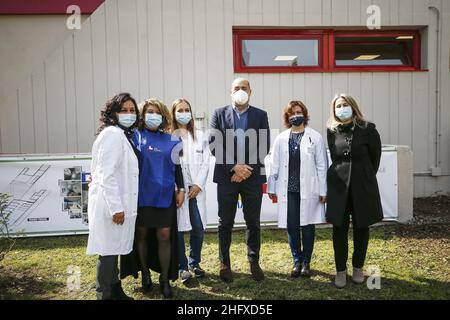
[
  {"x": 153, "y": 120},
  {"x": 126, "y": 119},
  {"x": 183, "y": 118},
  {"x": 344, "y": 113}
]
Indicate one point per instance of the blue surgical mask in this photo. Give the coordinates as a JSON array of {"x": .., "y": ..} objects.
[
  {"x": 296, "y": 120},
  {"x": 153, "y": 120},
  {"x": 344, "y": 113},
  {"x": 183, "y": 118},
  {"x": 126, "y": 119}
]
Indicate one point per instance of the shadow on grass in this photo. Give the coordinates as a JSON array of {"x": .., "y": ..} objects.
[
  {"x": 278, "y": 286},
  {"x": 25, "y": 286}
]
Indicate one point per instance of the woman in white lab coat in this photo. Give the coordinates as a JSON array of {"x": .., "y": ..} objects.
[
  {"x": 195, "y": 167},
  {"x": 113, "y": 192},
  {"x": 298, "y": 181}
]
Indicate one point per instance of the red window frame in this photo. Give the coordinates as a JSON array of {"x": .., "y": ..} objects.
[
  {"x": 269, "y": 34},
  {"x": 32, "y": 7},
  {"x": 326, "y": 57},
  {"x": 416, "y": 55}
]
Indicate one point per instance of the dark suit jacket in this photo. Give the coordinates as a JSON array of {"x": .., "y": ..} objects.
[
  {"x": 365, "y": 160},
  {"x": 222, "y": 124}
]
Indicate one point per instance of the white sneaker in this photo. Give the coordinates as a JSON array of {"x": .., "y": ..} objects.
[
  {"x": 341, "y": 279},
  {"x": 184, "y": 275},
  {"x": 358, "y": 275}
]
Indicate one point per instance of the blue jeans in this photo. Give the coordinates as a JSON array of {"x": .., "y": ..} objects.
[
  {"x": 195, "y": 241},
  {"x": 298, "y": 236}
]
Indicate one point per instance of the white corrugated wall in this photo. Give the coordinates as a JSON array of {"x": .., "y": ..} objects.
[{"x": 173, "y": 48}]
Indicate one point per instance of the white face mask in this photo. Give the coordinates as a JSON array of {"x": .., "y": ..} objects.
[
  {"x": 153, "y": 120},
  {"x": 126, "y": 119},
  {"x": 344, "y": 113},
  {"x": 183, "y": 118},
  {"x": 240, "y": 97}
]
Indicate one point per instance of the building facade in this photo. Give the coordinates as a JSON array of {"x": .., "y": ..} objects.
[{"x": 194, "y": 49}]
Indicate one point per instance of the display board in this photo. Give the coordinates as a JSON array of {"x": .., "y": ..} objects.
[{"x": 49, "y": 193}]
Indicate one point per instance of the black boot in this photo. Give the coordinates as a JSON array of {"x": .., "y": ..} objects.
[
  {"x": 306, "y": 270},
  {"x": 166, "y": 289},
  {"x": 146, "y": 280},
  {"x": 117, "y": 292}
]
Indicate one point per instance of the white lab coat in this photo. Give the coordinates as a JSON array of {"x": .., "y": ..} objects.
[
  {"x": 114, "y": 188},
  {"x": 313, "y": 175},
  {"x": 195, "y": 166}
]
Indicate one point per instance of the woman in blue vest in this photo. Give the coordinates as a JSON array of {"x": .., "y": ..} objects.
[{"x": 161, "y": 192}]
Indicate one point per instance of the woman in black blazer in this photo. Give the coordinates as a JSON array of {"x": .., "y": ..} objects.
[{"x": 355, "y": 149}]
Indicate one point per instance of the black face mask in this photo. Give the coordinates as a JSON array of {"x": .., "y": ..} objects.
[{"x": 296, "y": 120}]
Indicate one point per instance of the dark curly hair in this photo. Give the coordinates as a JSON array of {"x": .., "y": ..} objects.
[{"x": 108, "y": 116}]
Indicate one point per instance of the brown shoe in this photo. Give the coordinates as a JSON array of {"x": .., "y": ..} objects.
[
  {"x": 295, "y": 273},
  {"x": 225, "y": 273},
  {"x": 257, "y": 273}
]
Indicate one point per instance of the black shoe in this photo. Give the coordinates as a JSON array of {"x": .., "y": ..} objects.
[
  {"x": 306, "y": 270},
  {"x": 146, "y": 281},
  {"x": 295, "y": 273},
  {"x": 197, "y": 271},
  {"x": 225, "y": 273},
  {"x": 117, "y": 292},
  {"x": 165, "y": 288},
  {"x": 256, "y": 271}
]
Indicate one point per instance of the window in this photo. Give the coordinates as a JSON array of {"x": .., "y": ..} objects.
[
  {"x": 284, "y": 53},
  {"x": 377, "y": 51},
  {"x": 289, "y": 50},
  {"x": 278, "y": 50}
]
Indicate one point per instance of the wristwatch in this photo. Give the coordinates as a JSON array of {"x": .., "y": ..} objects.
[{"x": 181, "y": 190}]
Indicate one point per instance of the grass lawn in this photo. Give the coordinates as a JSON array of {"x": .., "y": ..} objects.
[{"x": 414, "y": 261}]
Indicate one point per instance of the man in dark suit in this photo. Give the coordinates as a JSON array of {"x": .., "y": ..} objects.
[{"x": 240, "y": 140}]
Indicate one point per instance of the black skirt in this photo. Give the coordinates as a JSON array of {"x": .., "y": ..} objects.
[
  {"x": 130, "y": 263},
  {"x": 152, "y": 217}
]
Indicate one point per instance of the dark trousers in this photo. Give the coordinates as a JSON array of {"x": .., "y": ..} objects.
[
  {"x": 195, "y": 240},
  {"x": 340, "y": 241},
  {"x": 227, "y": 197},
  {"x": 299, "y": 235},
  {"x": 107, "y": 276}
]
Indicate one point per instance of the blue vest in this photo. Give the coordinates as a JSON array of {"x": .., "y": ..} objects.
[{"x": 157, "y": 168}]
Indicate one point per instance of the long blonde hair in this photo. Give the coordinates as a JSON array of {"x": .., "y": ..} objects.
[
  {"x": 358, "y": 118},
  {"x": 190, "y": 125},
  {"x": 165, "y": 113}
]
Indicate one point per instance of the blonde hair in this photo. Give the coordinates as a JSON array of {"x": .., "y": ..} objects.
[
  {"x": 190, "y": 125},
  {"x": 358, "y": 118},
  {"x": 165, "y": 113}
]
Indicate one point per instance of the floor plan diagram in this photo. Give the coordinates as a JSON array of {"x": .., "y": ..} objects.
[{"x": 25, "y": 197}]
